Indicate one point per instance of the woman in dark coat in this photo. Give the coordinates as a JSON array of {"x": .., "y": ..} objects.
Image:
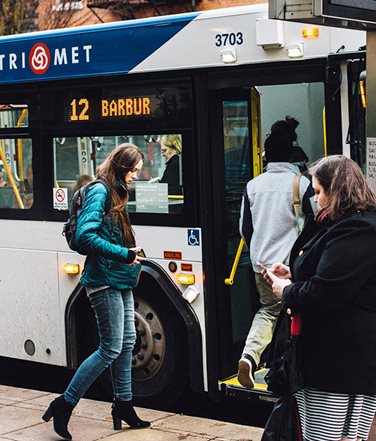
[
  {"x": 331, "y": 283},
  {"x": 171, "y": 147}
]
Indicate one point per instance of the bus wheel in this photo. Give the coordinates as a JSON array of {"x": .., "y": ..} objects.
[{"x": 159, "y": 367}]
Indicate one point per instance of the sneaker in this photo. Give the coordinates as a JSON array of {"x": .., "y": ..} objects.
[{"x": 245, "y": 375}]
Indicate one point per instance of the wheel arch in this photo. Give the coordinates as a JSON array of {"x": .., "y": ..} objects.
[
  {"x": 187, "y": 316},
  {"x": 78, "y": 305}
]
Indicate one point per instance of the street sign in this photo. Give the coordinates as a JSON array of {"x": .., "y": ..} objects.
[{"x": 355, "y": 14}]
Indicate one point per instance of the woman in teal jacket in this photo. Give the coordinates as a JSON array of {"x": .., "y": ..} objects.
[{"x": 111, "y": 270}]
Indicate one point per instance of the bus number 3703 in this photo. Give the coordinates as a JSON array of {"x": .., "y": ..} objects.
[{"x": 229, "y": 39}]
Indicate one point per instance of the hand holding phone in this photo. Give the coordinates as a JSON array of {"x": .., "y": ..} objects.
[{"x": 139, "y": 251}]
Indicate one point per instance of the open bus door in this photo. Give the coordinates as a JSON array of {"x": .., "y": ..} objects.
[
  {"x": 241, "y": 117},
  {"x": 240, "y": 136},
  {"x": 242, "y": 131}
]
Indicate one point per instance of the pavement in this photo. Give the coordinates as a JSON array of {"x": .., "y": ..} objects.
[{"x": 21, "y": 413}]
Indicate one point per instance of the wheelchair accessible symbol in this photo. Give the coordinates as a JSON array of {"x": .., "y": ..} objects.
[{"x": 193, "y": 237}]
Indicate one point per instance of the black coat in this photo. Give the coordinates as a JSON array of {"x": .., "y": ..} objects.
[
  {"x": 334, "y": 289},
  {"x": 171, "y": 176}
]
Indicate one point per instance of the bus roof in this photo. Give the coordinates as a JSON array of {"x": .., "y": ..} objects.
[{"x": 229, "y": 36}]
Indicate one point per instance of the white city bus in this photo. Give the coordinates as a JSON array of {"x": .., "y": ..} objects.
[{"x": 219, "y": 79}]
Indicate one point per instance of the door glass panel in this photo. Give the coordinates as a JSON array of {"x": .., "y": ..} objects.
[
  {"x": 237, "y": 156},
  {"x": 303, "y": 101}
]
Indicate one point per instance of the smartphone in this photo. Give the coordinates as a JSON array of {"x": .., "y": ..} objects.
[{"x": 139, "y": 251}]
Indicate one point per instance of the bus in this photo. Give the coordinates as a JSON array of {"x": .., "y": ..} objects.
[{"x": 217, "y": 80}]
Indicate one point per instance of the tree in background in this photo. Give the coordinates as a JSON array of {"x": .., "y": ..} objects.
[
  {"x": 18, "y": 16},
  {"x": 57, "y": 14}
]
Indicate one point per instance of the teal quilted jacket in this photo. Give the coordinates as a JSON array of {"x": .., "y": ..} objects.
[{"x": 100, "y": 236}]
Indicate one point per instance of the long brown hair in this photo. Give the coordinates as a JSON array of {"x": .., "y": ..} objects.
[
  {"x": 344, "y": 185},
  {"x": 118, "y": 163}
]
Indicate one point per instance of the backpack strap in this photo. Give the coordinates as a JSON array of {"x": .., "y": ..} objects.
[{"x": 297, "y": 201}]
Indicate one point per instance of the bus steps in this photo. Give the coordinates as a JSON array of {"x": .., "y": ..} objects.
[{"x": 233, "y": 389}]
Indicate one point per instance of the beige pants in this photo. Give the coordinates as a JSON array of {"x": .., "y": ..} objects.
[{"x": 261, "y": 332}]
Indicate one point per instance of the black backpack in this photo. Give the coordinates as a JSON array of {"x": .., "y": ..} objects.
[{"x": 69, "y": 228}]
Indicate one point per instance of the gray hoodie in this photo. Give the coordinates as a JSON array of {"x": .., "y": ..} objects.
[{"x": 267, "y": 222}]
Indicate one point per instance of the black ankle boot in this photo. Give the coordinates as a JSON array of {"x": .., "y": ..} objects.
[
  {"x": 123, "y": 410},
  {"x": 60, "y": 410}
]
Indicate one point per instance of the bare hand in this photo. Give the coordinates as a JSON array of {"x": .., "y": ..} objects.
[
  {"x": 277, "y": 283},
  {"x": 280, "y": 270}
]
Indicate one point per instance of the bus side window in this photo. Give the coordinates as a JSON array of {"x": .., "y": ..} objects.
[
  {"x": 159, "y": 185},
  {"x": 16, "y": 175},
  {"x": 28, "y": 187},
  {"x": 171, "y": 148},
  {"x": 6, "y": 197},
  {"x": 159, "y": 188}
]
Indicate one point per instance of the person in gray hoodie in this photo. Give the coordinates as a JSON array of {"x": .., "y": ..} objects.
[{"x": 269, "y": 227}]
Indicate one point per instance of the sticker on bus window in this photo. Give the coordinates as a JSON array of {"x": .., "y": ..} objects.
[
  {"x": 193, "y": 237},
  {"x": 60, "y": 198}
]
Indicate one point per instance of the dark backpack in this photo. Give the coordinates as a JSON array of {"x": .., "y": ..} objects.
[{"x": 70, "y": 227}]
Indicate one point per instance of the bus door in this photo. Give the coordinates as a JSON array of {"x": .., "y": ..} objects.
[
  {"x": 241, "y": 118},
  {"x": 243, "y": 161},
  {"x": 356, "y": 130},
  {"x": 238, "y": 132}
]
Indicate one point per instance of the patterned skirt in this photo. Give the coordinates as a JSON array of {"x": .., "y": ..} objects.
[{"x": 327, "y": 416}]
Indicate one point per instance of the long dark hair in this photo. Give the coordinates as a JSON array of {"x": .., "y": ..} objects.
[
  {"x": 344, "y": 184},
  {"x": 118, "y": 163}
]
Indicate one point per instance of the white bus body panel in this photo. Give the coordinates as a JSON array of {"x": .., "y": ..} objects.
[
  {"x": 195, "y": 45},
  {"x": 156, "y": 240},
  {"x": 32, "y": 280}
]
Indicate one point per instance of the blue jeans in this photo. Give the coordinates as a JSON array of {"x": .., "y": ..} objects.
[{"x": 114, "y": 312}]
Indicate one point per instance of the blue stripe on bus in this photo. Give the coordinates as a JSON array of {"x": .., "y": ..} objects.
[{"x": 89, "y": 51}]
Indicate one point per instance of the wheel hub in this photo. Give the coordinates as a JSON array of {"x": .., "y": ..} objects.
[{"x": 149, "y": 351}]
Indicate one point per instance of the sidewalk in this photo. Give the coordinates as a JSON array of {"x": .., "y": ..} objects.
[{"x": 21, "y": 413}]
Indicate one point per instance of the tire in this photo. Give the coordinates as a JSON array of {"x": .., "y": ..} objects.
[{"x": 160, "y": 365}]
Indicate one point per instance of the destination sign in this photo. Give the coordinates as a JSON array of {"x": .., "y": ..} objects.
[
  {"x": 119, "y": 105},
  {"x": 86, "y": 109}
]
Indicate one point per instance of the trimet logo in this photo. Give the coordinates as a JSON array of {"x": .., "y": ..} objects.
[{"x": 41, "y": 58}]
